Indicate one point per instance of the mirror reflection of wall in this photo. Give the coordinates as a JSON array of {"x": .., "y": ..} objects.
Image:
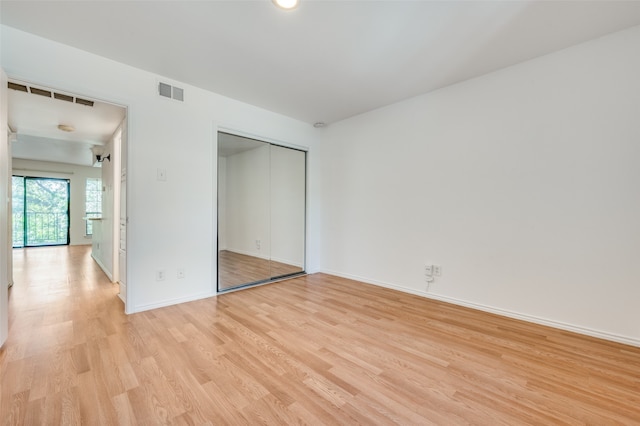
[{"x": 261, "y": 211}]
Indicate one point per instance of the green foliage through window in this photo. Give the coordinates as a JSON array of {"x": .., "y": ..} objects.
[
  {"x": 93, "y": 201},
  {"x": 40, "y": 211}
]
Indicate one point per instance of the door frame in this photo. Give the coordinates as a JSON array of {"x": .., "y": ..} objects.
[
  {"x": 6, "y": 257},
  {"x": 217, "y": 129},
  {"x": 88, "y": 94}
]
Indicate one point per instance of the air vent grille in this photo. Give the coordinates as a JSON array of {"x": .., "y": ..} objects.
[
  {"x": 178, "y": 94},
  {"x": 19, "y": 87},
  {"x": 84, "y": 102},
  {"x": 63, "y": 97},
  {"x": 164, "y": 90},
  {"x": 40, "y": 92},
  {"x": 48, "y": 93},
  {"x": 168, "y": 91}
]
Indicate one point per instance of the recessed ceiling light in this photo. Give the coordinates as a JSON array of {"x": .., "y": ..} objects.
[
  {"x": 286, "y": 4},
  {"x": 66, "y": 127}
]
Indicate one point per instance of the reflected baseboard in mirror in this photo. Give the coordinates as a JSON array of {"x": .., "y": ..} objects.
[{"x": 236, "y": 269}]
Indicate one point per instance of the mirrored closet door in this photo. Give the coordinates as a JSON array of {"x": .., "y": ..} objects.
[{"x": 261, "y": 211}]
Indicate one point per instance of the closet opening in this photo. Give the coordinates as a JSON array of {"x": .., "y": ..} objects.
[{"x": 261, "y": 212}]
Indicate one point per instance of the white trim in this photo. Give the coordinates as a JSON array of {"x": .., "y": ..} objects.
[
  {"x": 214, "y": 241},
  {"x": 503, "y": 312},
  {"x": 248, "y": 253},
  {"x": 123, "y": 291},
  {"x": 287, "y": 262},
  {"x": 172, "y": 302},
  {"x": 104, "y": 269},
  {"x": 264, "y": 257}
]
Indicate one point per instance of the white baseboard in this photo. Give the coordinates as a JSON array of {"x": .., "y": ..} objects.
[
  {"x": 122, "y": 294},
  {"x": 288, "y": 262},
  {"x": 503, "y": 312},
  {"x": 171, "y": 302},
  {"x": 259, "y": 256},
  {"x": 104, "y": 269},
  {"x": 248, "y": 253}
]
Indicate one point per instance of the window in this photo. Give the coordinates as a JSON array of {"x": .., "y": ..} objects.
[
  {"x": 40, "y": 211},
  {"x": 93, "y": 202}
]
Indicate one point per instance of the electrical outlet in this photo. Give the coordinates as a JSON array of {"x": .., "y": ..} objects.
[
  {"x": 428, "y": 270},
  {"x": 258, "y": 243},
  {"x": 180, "y": 274},
  {"x": 161, "y": 274},
  {"x": 437, "y": 270}
]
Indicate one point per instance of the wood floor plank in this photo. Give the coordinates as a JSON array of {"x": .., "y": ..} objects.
[
  {"x": 312, "y": 350},
  {"x": 124, "y": 410}
]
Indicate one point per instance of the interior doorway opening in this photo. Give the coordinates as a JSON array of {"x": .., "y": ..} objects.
[{"x": 59, "y": 137}]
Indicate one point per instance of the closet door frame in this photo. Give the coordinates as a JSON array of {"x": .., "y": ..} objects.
[{"x": 272, "y": 142}]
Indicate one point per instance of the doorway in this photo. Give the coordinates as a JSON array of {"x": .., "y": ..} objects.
[
  {"x": 40, "y": 211},
  {"x": 55, "y": 134}
]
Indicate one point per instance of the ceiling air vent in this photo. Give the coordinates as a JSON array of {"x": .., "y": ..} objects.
[
  {"x": 47, "y": 93},
  {"x": 63, "y": 97},
  {"x": 19, "y": 87},
  {"x": 172, "y": 92},
  {"x": 84, "y": 102},
  {"x": 40, "y": 92}
]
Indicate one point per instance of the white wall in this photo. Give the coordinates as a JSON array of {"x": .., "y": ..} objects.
[
  {"x": 286, "y": 195},
  {"x": 248, "y": 203},
  {"x": 171, "y": 223},
  {"x": 263, "y": 192},
  {"x": 77, "y": 176},
  {"x": 523, "y": 184},
  {"x": 104, "y": 242}
]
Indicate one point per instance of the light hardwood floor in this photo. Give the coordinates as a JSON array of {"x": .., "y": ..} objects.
[{"x": 314, "y": 350}]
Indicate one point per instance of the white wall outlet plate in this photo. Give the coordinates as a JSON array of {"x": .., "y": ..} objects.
[
  {"x": 161, "y": 274},
  {"x": 437, "y": 270}
]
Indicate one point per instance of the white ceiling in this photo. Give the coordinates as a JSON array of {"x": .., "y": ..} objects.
[
  {"x": 229, "y": 144},
  {"x": 325, "y": 60},
  {"x": 34, "y": 119}
]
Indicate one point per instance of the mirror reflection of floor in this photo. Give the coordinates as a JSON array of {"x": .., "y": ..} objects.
[{"x": 235, "y": 269}]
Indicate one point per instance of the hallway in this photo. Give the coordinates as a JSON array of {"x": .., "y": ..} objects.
[
  {"x": 61, "y": 303},
  {"x": 53, "y": 287}
]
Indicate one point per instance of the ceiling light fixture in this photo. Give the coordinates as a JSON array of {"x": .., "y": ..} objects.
[
  {"x": 286, "y": 4},
  {"x": 66, "y": 127}
]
